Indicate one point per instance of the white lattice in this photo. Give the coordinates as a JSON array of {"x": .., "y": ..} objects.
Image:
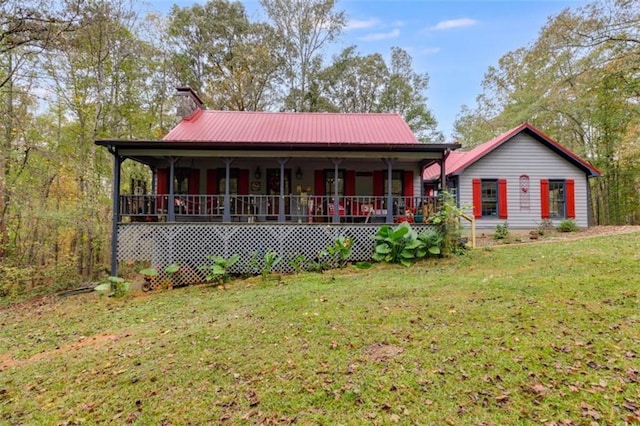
[{"x": 188, "y": 244}]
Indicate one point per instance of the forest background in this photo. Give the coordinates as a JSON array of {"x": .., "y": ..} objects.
[{"x": 73, "y": 71}]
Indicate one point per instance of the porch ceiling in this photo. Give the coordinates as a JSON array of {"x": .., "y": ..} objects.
[{"x": 155, "y": 152}]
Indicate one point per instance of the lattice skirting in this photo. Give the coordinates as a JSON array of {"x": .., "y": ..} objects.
[{"x": 188, "y": 244}]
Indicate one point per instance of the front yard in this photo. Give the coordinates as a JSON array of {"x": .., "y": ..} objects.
[{"x": 535, "y": 333}]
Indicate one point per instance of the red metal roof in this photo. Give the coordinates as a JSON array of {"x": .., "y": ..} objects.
[
  {"x": 458, "y": 161},
  {"x": 248, "y": 127}
]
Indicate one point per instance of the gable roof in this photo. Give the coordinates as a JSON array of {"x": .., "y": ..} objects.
[
  {"x": 457, "y": 161},
  {"x": 248, "y": 127}
]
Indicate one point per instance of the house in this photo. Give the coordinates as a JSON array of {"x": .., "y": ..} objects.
[
  {"x": 241, "y": 182},
  {"x": 522, "y": 177}
]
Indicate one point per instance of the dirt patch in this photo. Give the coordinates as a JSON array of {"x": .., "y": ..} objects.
[
  {"x": 484, "y": 239},
  {"x": 382, "y": 352},
  {"x": 6, "y": 361}
]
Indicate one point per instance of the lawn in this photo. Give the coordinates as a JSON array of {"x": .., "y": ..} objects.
[{"x": 538, "y": 333}]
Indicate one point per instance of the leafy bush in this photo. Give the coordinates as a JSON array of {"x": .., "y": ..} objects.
[
  {"x": 218, "y": 271},
  {"x": 271, "y": 259},
  {"x": 447, "y": 219},
  {"x": 568, "y": 225},
  {"x": 502, "y": 231},
  {"x": 402, "y": 244},
  {"x": 119, "y": 286},
  {"x": 339, "y": 251}
]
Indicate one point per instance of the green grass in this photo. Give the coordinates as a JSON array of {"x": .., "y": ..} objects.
[{"x": 544, "y": 333}]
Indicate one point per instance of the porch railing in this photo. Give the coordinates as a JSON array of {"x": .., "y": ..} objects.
[{"x": 266, "y": 208}]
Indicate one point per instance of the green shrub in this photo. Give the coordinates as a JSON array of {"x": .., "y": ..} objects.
[
  {"x": 338, "y": 252},
  {"x": 447, "y": 220},
  {"x": 402, "y": 244},
  {"x": 568, "y": 225},
  {"x": 119, "y": 286},
  {"x": 502, "y": 231},
  {"x": 218, "y": 271}
]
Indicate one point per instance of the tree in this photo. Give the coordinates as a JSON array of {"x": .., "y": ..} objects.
[
  {"x": 223, "y": 56},
  {"x": 405, "y": 94},
  {"x": 303, "y": 29}
]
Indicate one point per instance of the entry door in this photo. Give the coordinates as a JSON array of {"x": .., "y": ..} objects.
[{"x": 273, "y": 190}]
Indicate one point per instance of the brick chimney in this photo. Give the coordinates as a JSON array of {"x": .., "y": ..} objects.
[{"x": 189, "y": 101}]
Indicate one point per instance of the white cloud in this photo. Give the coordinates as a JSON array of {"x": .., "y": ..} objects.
[
  {"x": 454, "y": 23},
  {"x": 357, "y": 24},
  {"x": 381, "y": 36}
]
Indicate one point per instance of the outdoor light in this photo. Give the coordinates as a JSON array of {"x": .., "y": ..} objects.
[
  {"x": 258, "y": 173},
  {"x": 299, "y": 173}
]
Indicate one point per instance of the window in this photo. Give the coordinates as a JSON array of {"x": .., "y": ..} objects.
[
  {"x": 329, "y": 182},
  {"x": 489, "y": 190},
  {"x": 557, "y": 199},
  {"x": 233, "y": 180},
  {"x": 397, "y": 182},
  {"x": 181, "y": 181}
]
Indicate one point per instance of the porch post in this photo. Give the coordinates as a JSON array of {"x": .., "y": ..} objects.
[
  {"x": 226, "y": 214},
  {"x": 336, "y": 204},
  {"x": 281, "y": 210},
  {"x": 117, "y": 162},
  {"x": 443, "y": 172},
  {"x": 171, "y": 213},
  {"x": 389, "y": 162}
]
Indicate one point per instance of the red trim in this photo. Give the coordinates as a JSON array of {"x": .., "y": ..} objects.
[
  {"x": 571, "y": 198},
  {"x": 502, "y": 198},
  {"x": 544, "y": 198},
  {"x": 243, "y": 182},
  {"x": 408, "y": 187},
  {"x": 477, "y": 198},
  {"x": 194, "y": 182}
]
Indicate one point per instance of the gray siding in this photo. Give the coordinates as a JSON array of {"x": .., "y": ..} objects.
[{"x": 523, "y": 155}]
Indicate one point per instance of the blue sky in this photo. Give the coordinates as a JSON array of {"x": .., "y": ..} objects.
[{"x": 453, "y": 41}]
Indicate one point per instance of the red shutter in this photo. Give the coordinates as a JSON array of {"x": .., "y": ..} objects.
[
  {"x": 544, "y": 198},
  {"x": 378, "y": 183},
  {"x": 243, "y": 182},
  {"x": 350, "y": 183},
  {"x": 477, "y": 198},
  {"x": 318, "y": 182},
  {"x": 194, "y": 182},
  {"x": 378, "y": 187},
  {"x": 408, "y": 188},
  {"x": 502, "y": 198},
  {"x": 212, "y": 182},
  {"x": 571, "y": 199},
  {"x": 163, "y": 181}
]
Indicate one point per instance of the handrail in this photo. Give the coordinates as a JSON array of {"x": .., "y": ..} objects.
[
  {"x": 298, "y": 208},
  {"x": 472, "y": 220}
]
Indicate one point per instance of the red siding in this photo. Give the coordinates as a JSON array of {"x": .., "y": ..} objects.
[
  {"x": 502, "y": 198},
  {"x": 544, "y": 199},
  {"x": 477, "y": 198},
  {"x": 571, "y": 199}
]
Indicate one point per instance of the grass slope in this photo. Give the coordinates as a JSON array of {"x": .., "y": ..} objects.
[{"x": 545, "y": 333}]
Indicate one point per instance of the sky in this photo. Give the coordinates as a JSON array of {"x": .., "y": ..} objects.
[{"x": 454, "y": 41}]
